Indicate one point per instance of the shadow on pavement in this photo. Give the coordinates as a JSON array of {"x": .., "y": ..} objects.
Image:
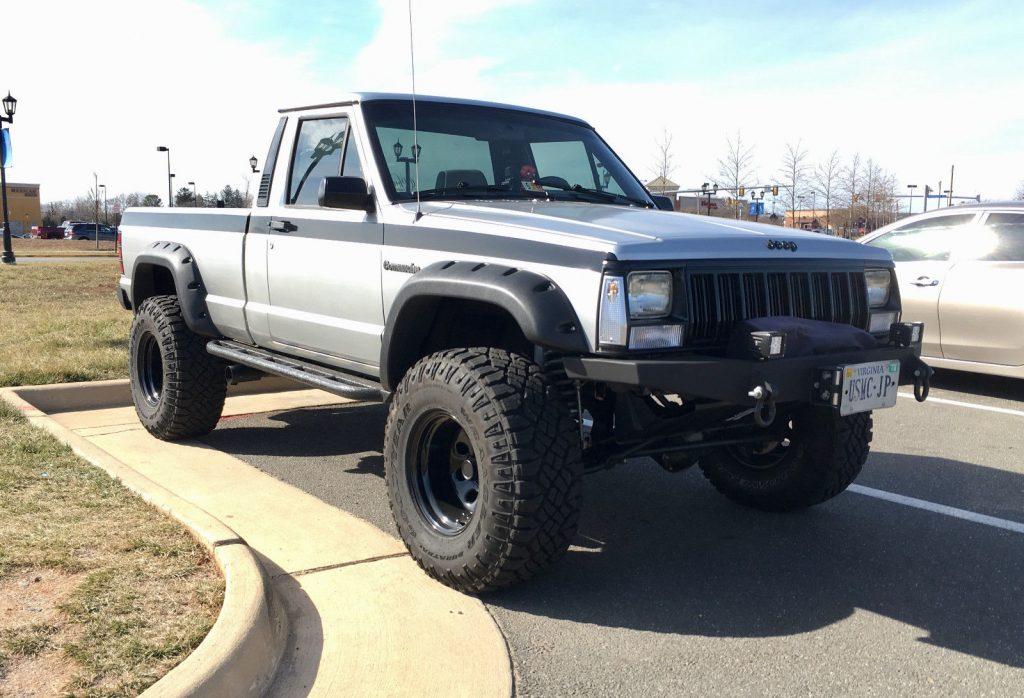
[
  {"x": 676, "y": 558},
  {"x": 979, "y": 384}
]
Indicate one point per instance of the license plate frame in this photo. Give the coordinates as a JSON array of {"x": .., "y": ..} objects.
[{"x": 872, "y": 385}]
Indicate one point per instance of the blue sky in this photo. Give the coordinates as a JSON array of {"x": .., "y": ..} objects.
[{"x": 915, "y": 86}]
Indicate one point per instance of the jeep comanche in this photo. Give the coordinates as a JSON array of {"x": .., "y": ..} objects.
[{"x": 527, "y": 311}]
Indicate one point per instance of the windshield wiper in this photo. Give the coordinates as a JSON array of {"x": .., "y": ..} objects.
[
  {"x": 598, "y": 193},
  {"x": 476, "y": 191}
]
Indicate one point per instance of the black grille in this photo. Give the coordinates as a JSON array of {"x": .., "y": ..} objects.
[{"x": 717, "y": 299}]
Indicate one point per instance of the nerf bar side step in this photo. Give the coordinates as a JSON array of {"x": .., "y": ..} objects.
[{"x": 314, "y": 375}]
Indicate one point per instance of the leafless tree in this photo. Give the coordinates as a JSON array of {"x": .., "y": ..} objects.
[
  {"x": 736, "y": 169},
  {"x": 664, "y": 165},
  {"x": 1019, "y": 194},
  {"x": 849, "y": 187},
  {"x": 793, "y": 175},
  {"x": 826, "y": 182}
]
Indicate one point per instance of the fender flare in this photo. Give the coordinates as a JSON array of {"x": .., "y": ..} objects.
[
  {"x": 188, "y": 283},
  {"x": 541, "y": 309}
]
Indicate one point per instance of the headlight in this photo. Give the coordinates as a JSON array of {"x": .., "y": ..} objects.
[
  {"x": 879, "y": 283},
  {"x": 650, "y": 294}
]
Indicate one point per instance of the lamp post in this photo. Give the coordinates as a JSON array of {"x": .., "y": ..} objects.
[
  {"x": 170, "y": 196},
  {"x": 195, "y": 196},
  {"x": 708, "y": 191},
  {"x": 104, "y": 188},
  {"x": 757, "y": 203},
  {"x": 252, "y": 164},
  {"x": 910, "y": 200},
  {"x": 397, "y": 148},
  {"x": 800, "y": 204},
  {"x": 10, "y": 105}
]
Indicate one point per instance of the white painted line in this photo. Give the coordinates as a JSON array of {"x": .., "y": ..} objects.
[
  {"x": 971, "y": 405},
  {"x": 974, "y": 517}
]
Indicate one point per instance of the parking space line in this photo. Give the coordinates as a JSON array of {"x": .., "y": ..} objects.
[
  {"x": 971, "y": 405},
  {"x": 974, "y": 517}
]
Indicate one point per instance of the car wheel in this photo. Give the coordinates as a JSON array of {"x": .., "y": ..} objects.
[
  {"x": 483, "y": 468},
  {"x": 817, "y": 457},
  {"x": 177, "y": 387}
]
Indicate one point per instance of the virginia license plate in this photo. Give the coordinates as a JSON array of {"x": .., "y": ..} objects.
[{"x": 870, "y": 386}]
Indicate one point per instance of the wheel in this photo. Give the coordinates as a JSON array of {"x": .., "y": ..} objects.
[
  {"x": 483, "y": 468},
  {"x": 818, "y": 457},
  {"x": 178, "y": 389}
]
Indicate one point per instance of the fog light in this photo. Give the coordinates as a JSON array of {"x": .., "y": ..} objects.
[
  {"x": 906, "y": 334},
  {"x": 656, "y": 337},
  {"x": 769, "y": 345},
  {"x": 880, "y": 322}
]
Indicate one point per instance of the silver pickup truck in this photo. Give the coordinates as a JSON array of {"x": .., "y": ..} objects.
[{"x": 528, "y": 312}]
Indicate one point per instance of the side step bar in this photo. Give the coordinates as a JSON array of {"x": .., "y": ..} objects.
[{"x": 314, "y": 375}]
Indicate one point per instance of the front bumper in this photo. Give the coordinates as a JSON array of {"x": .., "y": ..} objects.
[{"x": 732, "y": 380}]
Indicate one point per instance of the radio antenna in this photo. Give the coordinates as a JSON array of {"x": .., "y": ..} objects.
[{"x": 415, "y": 141}]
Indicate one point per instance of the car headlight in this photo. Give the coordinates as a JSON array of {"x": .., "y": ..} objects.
[
  {"x": 650, "y": 294},
  {"x": 879, "y": 283}
]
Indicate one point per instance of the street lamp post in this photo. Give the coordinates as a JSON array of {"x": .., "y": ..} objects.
[
  {"x": 757, "y": 203},
  {"x": 195, "y": 196},
  {"x": 708, "y": 192},
  {"x": 10, "y": 105},
  {"x": 910, "y": 201},
  {"x": 104, "y": 188},
  {"x": 252, "y": 164},
  {"x": 397, "y": 148},
  {"x": 170, "y": 196}
]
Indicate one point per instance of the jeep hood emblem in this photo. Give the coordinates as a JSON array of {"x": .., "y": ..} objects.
[{"x": 782, "y": 245}]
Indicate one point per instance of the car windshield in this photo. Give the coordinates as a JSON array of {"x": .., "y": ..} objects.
[{"x": 473, "y": 152}]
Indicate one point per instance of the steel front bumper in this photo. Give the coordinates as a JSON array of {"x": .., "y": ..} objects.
[{"x": 732, "y": 380}]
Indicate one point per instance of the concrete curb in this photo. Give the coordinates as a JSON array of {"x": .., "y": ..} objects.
[{"x": 241, "y": 653}]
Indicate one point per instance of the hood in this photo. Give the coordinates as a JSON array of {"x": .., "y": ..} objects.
[{"x": 645, "y": 234}]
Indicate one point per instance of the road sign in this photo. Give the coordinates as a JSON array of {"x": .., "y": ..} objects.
[{"x": 5, "y": 147}]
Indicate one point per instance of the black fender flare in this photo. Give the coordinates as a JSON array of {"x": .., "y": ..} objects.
[
  {"x": 188, "y": 283},
  {"x": 541, "y": 309}
]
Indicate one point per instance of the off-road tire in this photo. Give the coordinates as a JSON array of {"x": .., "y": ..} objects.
[
  {"x": 825, "y": 455},
  {"x": 528, "y": 463},
  {"x": 193, "y": 383}
]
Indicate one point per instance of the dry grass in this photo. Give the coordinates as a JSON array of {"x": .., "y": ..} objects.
[
  {"x": 125, "y": 593},
  {"x": 61, "y": 323},
  {"x": 27, "y": 247},
  {"x": 100, "y": 594}
]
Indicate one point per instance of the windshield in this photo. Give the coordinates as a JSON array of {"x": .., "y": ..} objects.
[{"x": 468, "y": 152}]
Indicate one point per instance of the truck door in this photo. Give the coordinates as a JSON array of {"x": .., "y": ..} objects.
[
  {"x": 922, "y": 250},
  {"x": 324, "y": 265},
  {"x": 982, "y": 306}
]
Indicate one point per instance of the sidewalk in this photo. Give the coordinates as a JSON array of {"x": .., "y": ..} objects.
[{"x": 363, "y": 618}]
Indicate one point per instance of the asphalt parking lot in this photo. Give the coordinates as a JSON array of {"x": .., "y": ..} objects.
[{"x": 911, "y": 582}]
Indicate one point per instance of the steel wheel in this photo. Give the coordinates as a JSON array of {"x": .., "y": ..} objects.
[
  {"x": 151, "y": 369},
  {"x": 443, "y": 474},
  {"x": 764, "y": 455}
]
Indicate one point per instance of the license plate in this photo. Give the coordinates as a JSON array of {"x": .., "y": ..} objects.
[{"x": 870, "y": 386}]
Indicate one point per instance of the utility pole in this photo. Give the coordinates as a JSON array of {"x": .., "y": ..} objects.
[
  {"x": 96, "y": 201},
  {"x": 927, "y": 191},
  {"x": 949, "y": 202}
]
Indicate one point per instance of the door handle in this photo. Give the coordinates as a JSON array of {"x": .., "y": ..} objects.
[
  {"x": 282, "y": 226},
  {"x": 925, "y": 281}
]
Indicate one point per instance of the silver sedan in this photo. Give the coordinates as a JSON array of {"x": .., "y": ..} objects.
[{"x": 961, "y": 272}]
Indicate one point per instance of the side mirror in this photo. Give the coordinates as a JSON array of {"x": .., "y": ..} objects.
[
  {"x": 345, "y": 192},
  {"x": 663, "y": 203}
]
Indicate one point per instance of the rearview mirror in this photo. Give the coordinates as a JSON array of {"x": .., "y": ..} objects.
[
  {"x": 663, "y": 203},
  {"x": 345, "y": 192}
]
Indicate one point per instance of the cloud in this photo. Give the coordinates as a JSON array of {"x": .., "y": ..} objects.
[{"x": 115, "y": 79}]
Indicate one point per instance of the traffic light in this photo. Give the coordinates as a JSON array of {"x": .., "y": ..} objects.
[
  {"x": 741, "y": 191},
  {"x": 775, "y": 190}
]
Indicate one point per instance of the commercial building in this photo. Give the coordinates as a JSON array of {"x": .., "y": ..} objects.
[{"x": 23, "y": 206}]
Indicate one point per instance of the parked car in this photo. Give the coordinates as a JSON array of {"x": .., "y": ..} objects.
[
  {"x": 49, "y": 232},
  {"x": 87, "y": 231},
  {"x": 961, "y": 273},
  {"x": 526, "y": 316}
]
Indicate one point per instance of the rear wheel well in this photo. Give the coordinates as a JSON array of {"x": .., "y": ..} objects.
[
  {"x": 429, "y": 325},
  {"x": 151, "y": 280}
]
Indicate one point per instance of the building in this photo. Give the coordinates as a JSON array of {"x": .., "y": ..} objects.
[
  {"x": 23, "y": 206},
  {"x": 662, "y": 186}
]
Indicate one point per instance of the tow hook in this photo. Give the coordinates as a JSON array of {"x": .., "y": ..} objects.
[
  {"x": 922, "y": 382},
  {"x": 764, "y": 404}
]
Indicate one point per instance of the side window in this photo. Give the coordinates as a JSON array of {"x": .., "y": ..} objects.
[
  {"x": 931, "y": 239},
  {"x": 352, "y": 166},
  {"x": 1005, "y": 239},
  {"x": 318, "y": 150}
]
